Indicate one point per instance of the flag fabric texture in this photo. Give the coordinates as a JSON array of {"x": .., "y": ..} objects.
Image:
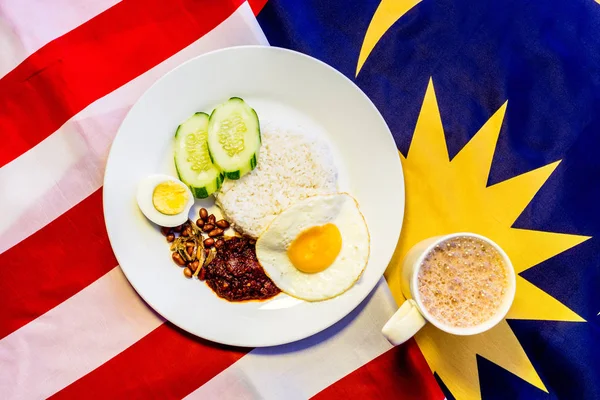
[{"x": 494, "y": 107}]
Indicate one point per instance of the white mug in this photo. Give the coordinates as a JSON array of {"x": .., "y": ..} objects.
[{"x": 412, "y": 315}]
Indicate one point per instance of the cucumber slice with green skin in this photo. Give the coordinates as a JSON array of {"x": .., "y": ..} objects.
[
  {"x": 192, "y": 158},
  {"x": 234, "y": 138}
]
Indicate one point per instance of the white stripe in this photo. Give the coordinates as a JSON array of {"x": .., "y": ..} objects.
[
  {"x": 302, "y": 369},
  {"x": 74, "y": 338},
  {"x": 69, "y": 165},
  {"x": 28, "y": 25}
]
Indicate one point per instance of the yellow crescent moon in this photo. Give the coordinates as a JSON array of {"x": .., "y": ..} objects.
[{"x": 388, "y": 12}]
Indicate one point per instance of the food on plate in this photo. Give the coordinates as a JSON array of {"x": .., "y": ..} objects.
[
  {"x": 292, "y": 166},
  {"x": 228, "y": 265},
  {"x": 317, "y": 248},
  {"x": 170, "y": 197},
  {"x": 192, "y": 159},
  {"x": 235, "y": 274},
  {"x": 190, "y": 249},
  {"x": 278, "y": 189},
  {"x": 208, "y": 149},
  {"x": 164, "y": 200},
  {"x": 187, "y": 250},
  {"x": 234, "y": 137}
]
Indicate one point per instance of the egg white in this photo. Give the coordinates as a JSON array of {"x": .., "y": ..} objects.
[
  {"x": 144, "y": 200},
  {"x": 340, "y": 209}
]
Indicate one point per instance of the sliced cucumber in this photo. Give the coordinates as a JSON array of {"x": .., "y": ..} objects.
[
  {"x": 234, "y": 137},
  {"x": 192, "y": 159}
]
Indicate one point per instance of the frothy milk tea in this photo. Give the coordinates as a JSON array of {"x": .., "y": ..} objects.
[{"x": 462, "y": 281}]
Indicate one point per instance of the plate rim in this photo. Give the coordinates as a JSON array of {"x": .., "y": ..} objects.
[{"x": 318, "y": 327}]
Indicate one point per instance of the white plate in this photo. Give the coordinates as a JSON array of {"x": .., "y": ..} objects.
[{"x": 281, "y": 85}]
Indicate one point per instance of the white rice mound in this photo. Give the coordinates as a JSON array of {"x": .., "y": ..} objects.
[{"x": 292, "y": 165}]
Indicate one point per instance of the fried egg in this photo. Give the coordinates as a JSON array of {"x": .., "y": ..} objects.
[
  {"x": 164, "y": 200},
  {"x": 317, "y": 248}
]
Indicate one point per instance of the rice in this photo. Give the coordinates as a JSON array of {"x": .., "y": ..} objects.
[{"x": 292, "y": 165}]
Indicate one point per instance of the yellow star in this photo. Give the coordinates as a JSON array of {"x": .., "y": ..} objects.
[{"x": 445, "y": 196}]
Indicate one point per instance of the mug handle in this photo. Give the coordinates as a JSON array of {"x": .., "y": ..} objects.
[{"x": 404, "y": 323}]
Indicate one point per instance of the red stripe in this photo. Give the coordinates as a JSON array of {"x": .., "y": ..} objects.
[
  {"x": 69, "y": 73},
  {"x": 53, "y": 264},
  {"x": 401, "y": 373},
  {"x": 166, "y": 364},
  {"x": 257, "y": 5}
]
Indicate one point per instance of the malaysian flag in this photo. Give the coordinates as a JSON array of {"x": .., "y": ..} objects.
[{"x": 494, "y": 106}]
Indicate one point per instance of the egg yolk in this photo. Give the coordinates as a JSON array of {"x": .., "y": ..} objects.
[
  {"x": 169, "y": 198},
  {"x": 316, "y": 248}
]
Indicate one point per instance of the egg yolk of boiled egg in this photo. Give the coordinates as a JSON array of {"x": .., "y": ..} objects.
[
  {"x": 316, "y": 248},
  {"x": 169, "y": 198}
]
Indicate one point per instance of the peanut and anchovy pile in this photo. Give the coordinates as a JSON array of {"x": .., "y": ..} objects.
[{"x": 194, "y": 245}]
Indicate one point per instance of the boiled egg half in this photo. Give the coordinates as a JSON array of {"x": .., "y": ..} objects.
[
  {"x": 164, "y": 200},
  {"x": 316, "y": 249}
]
